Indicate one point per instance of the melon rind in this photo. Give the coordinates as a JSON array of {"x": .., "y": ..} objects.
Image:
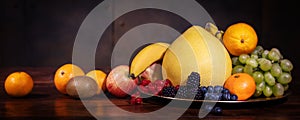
[{"x": 196, "y": 50}]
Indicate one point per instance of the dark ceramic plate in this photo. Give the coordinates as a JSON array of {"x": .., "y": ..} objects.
[{"x": 252, "y": 102}]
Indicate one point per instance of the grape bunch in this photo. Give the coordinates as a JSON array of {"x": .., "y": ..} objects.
[{"x": 270, "y": 70}]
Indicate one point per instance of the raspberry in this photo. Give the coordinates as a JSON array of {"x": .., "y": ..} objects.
[
  {"x": 177, "y": 87},
  {"x": 200, "y": 94},
  {"x": 168, "y": 83}
]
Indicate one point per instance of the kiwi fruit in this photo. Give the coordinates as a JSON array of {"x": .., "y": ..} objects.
[{"x": 81, "y": 87}]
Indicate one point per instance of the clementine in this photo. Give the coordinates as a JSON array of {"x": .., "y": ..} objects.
[
  {"x": 18, "y": 84},
  {"x": 241, "y": 84},
  {"x": 240, "y": 38},
  {"x": 63, "y": 74},
  {"x": 100, "y": 77}
]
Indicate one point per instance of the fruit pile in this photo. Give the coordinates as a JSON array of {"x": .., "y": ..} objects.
[
  {"x": 71, "y": 80},
  {"x": 145, "y": 86},
  {"x": 193, "y": 90},
  {"x": 267, "y": 71},
  {"x": 190, "y": 52},
  {"x": 237, "y": 70},
  {"x": 270, "y": 70}
]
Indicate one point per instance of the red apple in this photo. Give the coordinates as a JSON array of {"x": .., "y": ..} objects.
[{"x": 119, "y": 83}]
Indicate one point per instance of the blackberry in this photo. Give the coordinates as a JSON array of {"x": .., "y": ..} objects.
[
  {"x": 169, "y": 91},
  {"x": 200, "y": 94},
  {"x": 192, "y": 92},
  {"x": 193, "y": 80},
  {"x": 182, "y": 92}
]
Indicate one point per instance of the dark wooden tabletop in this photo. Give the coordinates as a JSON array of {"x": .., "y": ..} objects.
[{"x": 44, "y": 102}]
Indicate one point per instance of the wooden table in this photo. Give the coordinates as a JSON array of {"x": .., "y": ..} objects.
[{"x": 46, "y": 103}]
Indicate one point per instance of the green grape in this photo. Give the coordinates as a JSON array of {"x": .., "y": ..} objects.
[
  {"x": 258, "y": 77},
  {"x": 284, "y": 78},
  {"x": 256, "y": 69},
  {"x": 265, "y": 54},
  {"x": 237, "y": 69},
  {"x": 252, "y": 62},
  {"x": 278, "y": 90},
  {"x": 254, "y": 52},
  {"x": 276, "y": 70},
  {"x": 260, "y": 50},
  {"x": 286, "y": 65},
  {"x": 269, "y": 79},
  {"x": 268, "y": 91},
  {"x": 257, "y": 93},
  {"x": 248, "y": 69},
  {"x": 264, "y": 64},
  {"x": 243, "y": 58},
  {"x": 278, "y": 52},
  {"x": 235, "y": 61},
  {"x": 254, "y": 56},
  {"x": 260, "y": 86},
  {"x": 259, "y": 59},
  {"x": 286, "y": 87},
  {"x": 273, "y": 55}
]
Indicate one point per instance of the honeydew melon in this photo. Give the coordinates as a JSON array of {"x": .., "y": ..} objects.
[{"x": 197, "y": 50}]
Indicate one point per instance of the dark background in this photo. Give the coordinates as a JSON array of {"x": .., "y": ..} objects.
[{"x": 39, "y": 33}]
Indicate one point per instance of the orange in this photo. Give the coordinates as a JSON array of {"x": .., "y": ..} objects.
[
  {"x": 63, "y": 74},
  {"x": 241, "y": 84},
  {"x": 18, "y": 84},
  {"x": 240, "y": 38},
  {"x": 100, "y": 77}
]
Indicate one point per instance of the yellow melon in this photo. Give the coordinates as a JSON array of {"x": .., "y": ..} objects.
[{"x": 196, "y": 50}]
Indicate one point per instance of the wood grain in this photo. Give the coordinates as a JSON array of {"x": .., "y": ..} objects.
[{"x": 46, "y": 103}]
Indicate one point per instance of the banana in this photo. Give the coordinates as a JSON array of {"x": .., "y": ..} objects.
[
  {"x": 213, "y": 29},
  {"x": 146, "y": 57}
]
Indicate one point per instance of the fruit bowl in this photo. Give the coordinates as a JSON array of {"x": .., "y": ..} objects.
[{"x": 252, "y": 102}]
